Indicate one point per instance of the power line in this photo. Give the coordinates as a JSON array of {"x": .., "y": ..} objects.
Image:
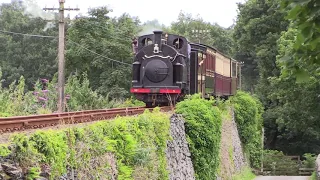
[
  {"x": 99, "y": 54},
  {"x": 31, "y": 35},
  {"x": 35, "y": 35}
]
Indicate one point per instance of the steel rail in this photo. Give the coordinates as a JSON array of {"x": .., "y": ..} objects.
[{"x": 20, "y": 123}]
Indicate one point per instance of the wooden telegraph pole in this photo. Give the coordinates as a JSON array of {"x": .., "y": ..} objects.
[{"x": 61, "y": 80}]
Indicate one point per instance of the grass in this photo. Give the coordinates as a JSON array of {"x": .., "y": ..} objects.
[{"x": 245, "y": 174}]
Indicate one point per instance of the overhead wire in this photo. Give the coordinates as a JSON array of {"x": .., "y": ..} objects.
[
  {"x": 31, "y": 35},
  {"x": 100, "y": 54},
  {"x": 35, "y": 35}
]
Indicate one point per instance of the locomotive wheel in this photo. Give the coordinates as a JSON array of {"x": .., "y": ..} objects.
[{"x": 149, "y": 105}]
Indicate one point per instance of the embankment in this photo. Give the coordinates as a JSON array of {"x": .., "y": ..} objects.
[
  {"x": 209, "y": 142},
  {"x": 148, "y": 146}
]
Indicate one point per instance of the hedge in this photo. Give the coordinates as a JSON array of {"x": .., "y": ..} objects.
[
  {"x": 203, "y": 129},
  {"x": 248, "y": 115}
]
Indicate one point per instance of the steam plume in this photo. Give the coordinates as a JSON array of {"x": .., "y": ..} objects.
[
  {"x": 31, "y": 8},
  {"x": 149, "y": 27}
]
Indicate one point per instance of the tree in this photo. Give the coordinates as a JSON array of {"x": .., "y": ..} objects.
[
  {"x": 101, "y": 46},
  {"x": 31, "y": 57},
  {"x": 305, "y": 17},
  {"x": 296, "y": 116},
  {"x": 218, "y": 37},
  {"x": 259, "y": 26}
]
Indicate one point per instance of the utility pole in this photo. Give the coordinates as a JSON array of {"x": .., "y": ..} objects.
[{"x": 61, "y": 80}]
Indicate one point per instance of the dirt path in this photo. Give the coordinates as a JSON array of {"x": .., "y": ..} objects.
[
  {"x": 282, "y": 178},
  {"x": 227, "y": 169}
]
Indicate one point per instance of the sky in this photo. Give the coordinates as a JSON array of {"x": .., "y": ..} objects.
[{"x": 223, "y": 12}]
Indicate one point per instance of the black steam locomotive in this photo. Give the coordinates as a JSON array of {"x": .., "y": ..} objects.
[
  {"x": 166, "y": 67},
  {"x": 160, "y": 68}
]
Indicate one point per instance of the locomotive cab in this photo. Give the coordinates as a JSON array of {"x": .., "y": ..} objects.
[{"x": 159, "y": 68}]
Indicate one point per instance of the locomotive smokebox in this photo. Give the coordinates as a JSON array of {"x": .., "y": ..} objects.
[{"x": 157, "y": 37}]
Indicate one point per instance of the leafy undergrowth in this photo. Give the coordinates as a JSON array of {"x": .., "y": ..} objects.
[
  {"x": 16, "y": 100},
  {"x": 131, "y": 103},
  {"x": 248, "y": 116},
  {"x": 245, "y": 174},
  {"x": 203, "y": 129},
  {"x": 313, "y": 176},
  {"x": 138, "y": 144}
]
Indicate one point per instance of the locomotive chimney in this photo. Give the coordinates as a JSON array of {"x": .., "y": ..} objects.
[{"x": 157, "y": 37}]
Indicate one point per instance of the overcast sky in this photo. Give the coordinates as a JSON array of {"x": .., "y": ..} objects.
[{"x": 223, "y": 12}]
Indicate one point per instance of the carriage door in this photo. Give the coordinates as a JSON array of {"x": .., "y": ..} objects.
[
  {"x": 233, "y": 77},
  {"x": 201, "y": 74}
]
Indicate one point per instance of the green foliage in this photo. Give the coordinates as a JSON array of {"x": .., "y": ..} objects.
[
  {"x": 4, "y": 151},
  {"x": 248, "y": 116},
  {"x": 218, "y": 37},
  {"x": 203, "y": 129},
  {"x": 94, "y": 44},
  {"x": 53, "y": 147},
  {"x": 310, "y": 160},
  {"x": 304, "y": 15},
  {"x": 33, "y": 173},
  {"x": 81, "y": 95},
  {"x": 296, "y": 102},
  {"x": 138, "y": 144},
  {"x": 245, "y": 174},
  {"x": 132, "y": 102},
  {"x": 278, "y": 163},
  {"x": 25, "y": 152},
  {"x": 30, "y": 57},
  {"x": 15, "y": 100},
  {"x": 313, "y": 176},
  {"x": 109, "y": 37}
]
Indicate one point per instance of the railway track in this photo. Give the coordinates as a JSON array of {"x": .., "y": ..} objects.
[{"x": 20, "y": 123}]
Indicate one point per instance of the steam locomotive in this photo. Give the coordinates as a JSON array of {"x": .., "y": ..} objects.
[{"x": 167, "y": 67}]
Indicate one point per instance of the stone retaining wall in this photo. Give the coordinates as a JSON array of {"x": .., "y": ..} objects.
[
  {"x": 178, "y": 154},
  {"x": 238, "y": 155}
]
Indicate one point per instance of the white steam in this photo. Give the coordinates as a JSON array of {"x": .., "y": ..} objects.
[
  {"x": 150, "y": 26},
  {"x": 48, "y": 26},
  {"x": 31, "y": 8},
  {"x": 148, "y": 29}
]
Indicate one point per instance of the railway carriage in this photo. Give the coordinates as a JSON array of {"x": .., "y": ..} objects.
[
  {"x": 166, "y": 67},
  {"x": 212, "y": 73}
]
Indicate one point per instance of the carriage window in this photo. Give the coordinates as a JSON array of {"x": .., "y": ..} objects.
[{"x": 234, "y": 69}]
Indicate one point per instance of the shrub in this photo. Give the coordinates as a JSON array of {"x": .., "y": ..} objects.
[
  {"x": 81, "y": 96},
  {"x": 248, "y": 115},
  {"x": 4, "y": 150},
  {"x": 203, "y": 129},
  {"x": 15, "y": 100},
  {"x": 132, "y": 102},
  {"x": 310, "y": 160},
  {"x": 137, "y": 143}
]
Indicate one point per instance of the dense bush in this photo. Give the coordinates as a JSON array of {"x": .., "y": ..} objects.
[
  {"x": 248, "y": 116},
  {"x": 138, "y": 143},
  {"x": 16, "y": 100},
  {"x": 203, "y": 129}
]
